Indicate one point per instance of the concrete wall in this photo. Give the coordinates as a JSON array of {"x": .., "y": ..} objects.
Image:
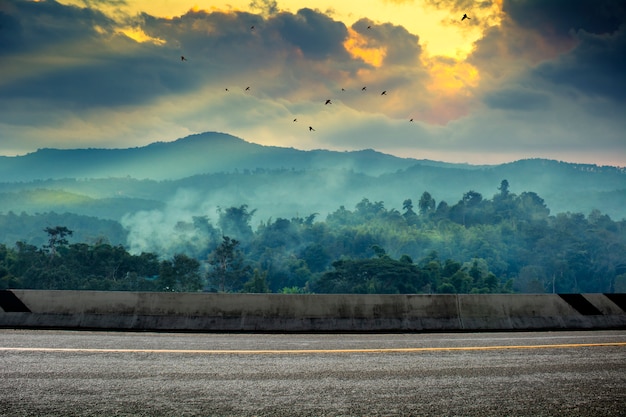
[{"x": 308, "y": 313}]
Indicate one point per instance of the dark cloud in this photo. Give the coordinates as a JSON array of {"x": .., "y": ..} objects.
[
  {"x": 204, "y": 35},
  {"x": 559, "y": 46},
  {"x": 506, "y": 48},
  {"x": 228, "y": 39},
  {"x": 95, "y": 3},
  {"x": 10, "y": 29},
  {"x": 561, "y": 17},
  {"x": 596, "y": 67},
  {"x": 517, "y": 99},
  {"x": 83, "y": 61},
  {"x": 284, "y": 54},
  {"x": 314, "y": 33},
  {"x": 26, "y": 26},
  {"x": 75, "y": 58},
  {"x": 401, "y": 46},
  {"x": 113, "y": 83}
]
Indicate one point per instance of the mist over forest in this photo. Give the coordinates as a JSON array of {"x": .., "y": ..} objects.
[{"x": 310, "y": 221}]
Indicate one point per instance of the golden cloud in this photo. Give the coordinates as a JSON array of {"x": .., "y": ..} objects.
[
  {"x": 451, "y": 87},
  {"x": 357, "y": 46},
  {"x": 138, "y": 35},
  {"x": 451, "y": 78}
]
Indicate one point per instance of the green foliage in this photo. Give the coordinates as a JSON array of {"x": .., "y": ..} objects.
[
  {"x": 510, "y": 243},
  {"x": 181, "y": 274},
  {"x": 381, "y": 275},
  {"x": 80, "y": 266},
  {"x": 27, "y": 228},
  {"x": 294, "y": 290},
  {"x": 257, "y": 284},
  {"x": 228, "y": 267},
  {"x": 57, "y": 237},
  {"x": 426, "y": 204},
  {"x": 235, "y": 221}
]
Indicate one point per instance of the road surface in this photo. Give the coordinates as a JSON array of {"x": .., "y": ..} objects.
[{"x": 44, "y": 373}]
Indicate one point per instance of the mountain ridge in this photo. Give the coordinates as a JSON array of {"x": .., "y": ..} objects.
[
  {"x": 204, "y": 153},
  {"x": 224, "y": 170},
  {"x": 213, "y": 152}
]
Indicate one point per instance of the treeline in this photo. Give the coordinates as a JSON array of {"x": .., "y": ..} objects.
[
  {"x": 29, "y": 228},
  {"x": 509, "y": 243},
  {"x": 58, "y": 265}
]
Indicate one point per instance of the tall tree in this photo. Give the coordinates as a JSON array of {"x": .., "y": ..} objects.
[
  {"x": 56, "y": 237},
  {"x": 257, "y": 284},
  {"x": 229, "y": 270},
  {"x": 181, "y": 274},
  {"x": 504, "y": 188},
  {"x": 235, "y": 221},
  {"x": 426, "y": 204}
]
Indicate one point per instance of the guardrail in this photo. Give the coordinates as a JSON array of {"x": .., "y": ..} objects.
[{"x": 212, "y": 312}]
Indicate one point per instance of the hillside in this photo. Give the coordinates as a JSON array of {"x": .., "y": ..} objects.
[
  {"x": 198, "y": 174},
  {"x": 204, "y": 153}
]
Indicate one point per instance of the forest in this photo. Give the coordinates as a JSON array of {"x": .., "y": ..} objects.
[{"x": 509, "y": 243}]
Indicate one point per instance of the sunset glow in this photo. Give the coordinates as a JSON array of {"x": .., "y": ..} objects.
[{"x": 77, "y": 72}]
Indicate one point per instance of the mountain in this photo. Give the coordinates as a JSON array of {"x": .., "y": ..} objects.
[
  {"x": 204, "y": 153},
  {"x": 199, "y": 174}
]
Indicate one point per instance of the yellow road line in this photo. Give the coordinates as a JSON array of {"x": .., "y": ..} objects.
[{"x": 308, "y": 351}]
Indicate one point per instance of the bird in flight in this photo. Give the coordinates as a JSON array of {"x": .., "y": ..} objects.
[
  {"x": 226, "y": 89},
  {"x": 384, "y": 93},
  {"x": 464, "y": 17},
  {"x": 311, "y": 129},
  {"x": 252, "y": 27},
  {"x": 328, "y": 102},
  {"x": 364, "y": 88},
  {"x": 295, "y": 120},
  {"x": 247, "y": 88},
  {"x": 411, "y": 120},
  {"x": 182, "y": 58}
]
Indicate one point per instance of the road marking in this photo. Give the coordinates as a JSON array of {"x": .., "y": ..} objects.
[{"x": 308, "y": 351}]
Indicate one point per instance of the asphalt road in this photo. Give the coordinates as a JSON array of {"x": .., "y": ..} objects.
[{"x": 64, "y": 373}]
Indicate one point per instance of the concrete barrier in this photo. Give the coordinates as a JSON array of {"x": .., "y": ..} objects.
[{"x": 308, "y": 313}]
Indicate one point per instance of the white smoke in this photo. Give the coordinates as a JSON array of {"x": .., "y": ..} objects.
[{"x": 169, "y": 231}]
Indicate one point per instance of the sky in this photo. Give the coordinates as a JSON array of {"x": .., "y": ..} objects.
[{"x": 518, "y": 79}]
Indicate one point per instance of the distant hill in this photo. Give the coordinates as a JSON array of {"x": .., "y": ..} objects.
[
  {"x": 200, "y": 173},
  {"x": 204, "y": 153}
]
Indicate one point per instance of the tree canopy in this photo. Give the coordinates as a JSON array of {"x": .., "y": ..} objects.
[{"x": 507, "y": 243}]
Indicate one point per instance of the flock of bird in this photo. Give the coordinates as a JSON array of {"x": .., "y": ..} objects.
[{"x": 328, "y": 101}]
